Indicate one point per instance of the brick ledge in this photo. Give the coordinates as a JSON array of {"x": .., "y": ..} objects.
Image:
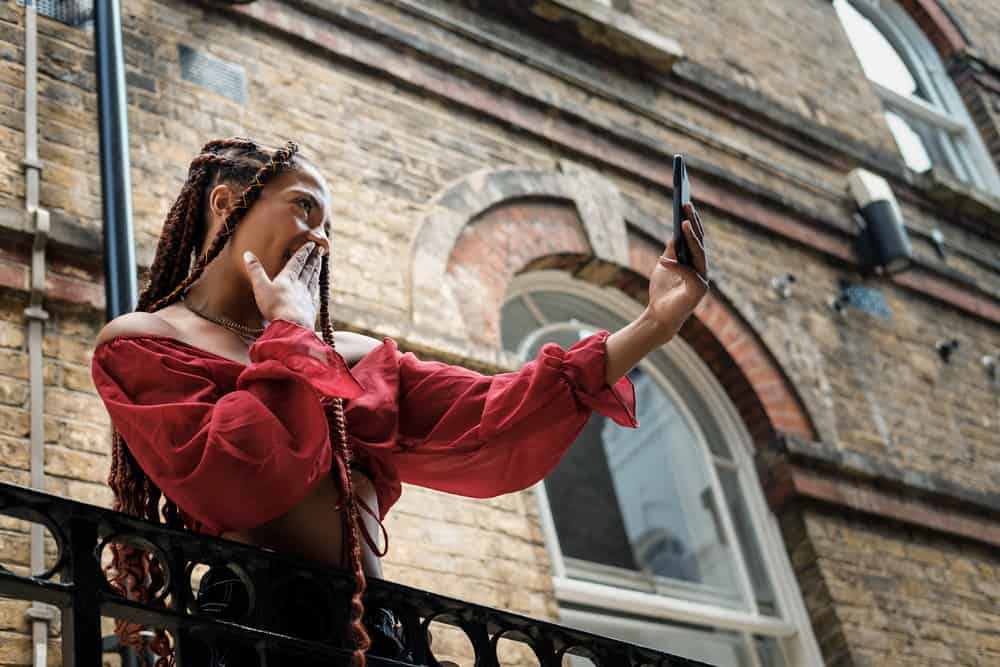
[{"x": 793, "y": 468}]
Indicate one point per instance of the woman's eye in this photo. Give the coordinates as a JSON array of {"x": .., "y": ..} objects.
[{"x": 306, "y": 204}]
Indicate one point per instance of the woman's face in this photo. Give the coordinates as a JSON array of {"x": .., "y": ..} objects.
[{"x": 293, "y": 209}]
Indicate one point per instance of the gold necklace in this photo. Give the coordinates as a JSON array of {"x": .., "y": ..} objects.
[{"x": 248, "y": 334}]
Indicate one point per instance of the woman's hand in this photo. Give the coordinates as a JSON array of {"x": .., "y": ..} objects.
[
  {"x": 675, "y": 291},
  {"x": 294, "y": 293}
]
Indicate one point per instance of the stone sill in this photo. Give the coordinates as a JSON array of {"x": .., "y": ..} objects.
[
  {"x": 942, "y": 188},
  {"x": 604, "y": 26}
]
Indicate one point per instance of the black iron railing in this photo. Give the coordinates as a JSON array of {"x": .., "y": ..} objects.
[{"x": 76, "y": 584}]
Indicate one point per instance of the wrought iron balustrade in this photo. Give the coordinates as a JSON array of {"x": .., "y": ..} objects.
[{"x": 76, "y": 584}]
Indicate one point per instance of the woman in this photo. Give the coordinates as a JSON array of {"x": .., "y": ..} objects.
[{"x": 227, "y": 405}]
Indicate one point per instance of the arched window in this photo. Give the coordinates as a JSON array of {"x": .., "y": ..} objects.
[
  {"x": 922, "y": 106},
  {"x": 660, "y": 535}
]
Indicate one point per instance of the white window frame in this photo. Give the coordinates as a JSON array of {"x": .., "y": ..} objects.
[
  {"x": 792, "y": 630},
  {"x": 965, "y": 152}
]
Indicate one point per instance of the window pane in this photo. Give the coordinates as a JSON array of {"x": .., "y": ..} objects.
[
  {"x": 716, "y": 647},
  {"x": 640, "y": 501},
  {"x": 910, "y": 144},
  {"x": 560, "y": 307},
  {"x": 880, "y": 61},
  {"x": 745, "y": 533},
  {"x": 516, "y": 322},
  {"x": 920, "y": 144},
  {"x": 769, "y": 652}
]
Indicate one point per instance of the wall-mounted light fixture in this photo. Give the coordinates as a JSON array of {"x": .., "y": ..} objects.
[{"x": 882, "y": 245}]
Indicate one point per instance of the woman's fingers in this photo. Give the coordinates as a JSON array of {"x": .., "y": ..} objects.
[
  {"x": 692, "y": 214},
  {"x": 669, "y": 253},
  {"x": 315, "y": 257},
  {"x": 698, "y": 257},
  {"x": 297, "y": 264},
  {"x": 313, "y": 282}
]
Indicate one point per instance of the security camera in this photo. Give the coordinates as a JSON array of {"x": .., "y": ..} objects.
[{"x": 882, "y": 244}]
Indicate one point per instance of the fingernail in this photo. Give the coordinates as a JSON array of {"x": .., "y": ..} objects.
[{"x": 247, "y": 256}]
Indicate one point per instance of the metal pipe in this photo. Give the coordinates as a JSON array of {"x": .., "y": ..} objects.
[
  {"x": 37, "y": 221},
  {"x": 116, "y": 184}
]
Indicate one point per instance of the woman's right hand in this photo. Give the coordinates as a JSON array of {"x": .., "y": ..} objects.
[{"x": 294, "y": 293}]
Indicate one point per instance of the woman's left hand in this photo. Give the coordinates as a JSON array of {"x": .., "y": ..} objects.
[
  {"x": 674, "y": 292},
  {"x": 674, "y": 288}
]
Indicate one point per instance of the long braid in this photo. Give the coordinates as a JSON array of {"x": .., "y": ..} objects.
[
  {"x": 335, "y": 410},
  {"x": 134, "y": 573}
]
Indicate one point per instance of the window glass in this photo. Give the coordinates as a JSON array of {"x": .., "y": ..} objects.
[
  {"x": 769, "y": 652},
  {"x": 652, "y": 516},
  {"x": 747, "y": 536},
  {"x": 910, "y": 143},
  {"x": 517, "y": 321},
  {"x": 517, "y": 324},
  {"x": 880, "y": 61},
  {"x": 659, "y": 509}
]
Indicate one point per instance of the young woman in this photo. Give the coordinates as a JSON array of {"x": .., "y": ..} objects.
[{"x": 231, "y": 410}]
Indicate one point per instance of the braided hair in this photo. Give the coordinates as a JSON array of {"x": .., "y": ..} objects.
[{"x": 134, "y": 573}]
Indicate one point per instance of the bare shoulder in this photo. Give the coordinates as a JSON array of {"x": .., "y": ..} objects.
[
  {"x": 135, "y": 323},
  {"x": 353, "y": 347}
]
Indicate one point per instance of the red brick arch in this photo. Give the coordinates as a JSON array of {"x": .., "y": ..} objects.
[{"x": 536, "y": 233}]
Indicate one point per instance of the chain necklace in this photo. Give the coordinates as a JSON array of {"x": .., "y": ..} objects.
[{"x": 248, "y": 334}]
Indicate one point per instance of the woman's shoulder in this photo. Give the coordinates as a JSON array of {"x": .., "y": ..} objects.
[{"x": 136, "y": 323}]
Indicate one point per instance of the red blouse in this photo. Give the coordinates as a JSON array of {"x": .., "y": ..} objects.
[{"x": 236, "y": 445}]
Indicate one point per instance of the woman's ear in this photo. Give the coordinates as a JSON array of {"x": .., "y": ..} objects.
[{"x": 221, "y": 200}]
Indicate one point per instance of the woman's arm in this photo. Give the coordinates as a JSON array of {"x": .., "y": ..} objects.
[{"x": 674, "y": 292}]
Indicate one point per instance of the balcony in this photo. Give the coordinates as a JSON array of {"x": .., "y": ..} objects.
[{"x": 75, "y": 584}]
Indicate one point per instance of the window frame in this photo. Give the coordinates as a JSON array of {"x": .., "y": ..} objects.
[
  {"x": 946, "y": 114},
  {"x": 791, "y": 628}
]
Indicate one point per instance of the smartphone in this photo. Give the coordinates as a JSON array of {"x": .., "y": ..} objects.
[{"x": 682, "y": 196}]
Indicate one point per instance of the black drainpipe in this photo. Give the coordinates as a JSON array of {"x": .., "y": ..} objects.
[{"x": 116, "y": 184}]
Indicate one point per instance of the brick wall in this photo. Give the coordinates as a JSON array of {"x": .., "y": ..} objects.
[
  {"x": 904, "y": 596},
  {"x": 980, "y": 22},
  {"x": 757, "y": 45},
  {"x": 393, "y": 134}
]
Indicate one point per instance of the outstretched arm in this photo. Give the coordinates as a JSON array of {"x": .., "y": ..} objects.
[{"x": 674, "y": 292}]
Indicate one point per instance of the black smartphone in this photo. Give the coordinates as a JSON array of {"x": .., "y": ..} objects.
[{"x": 682, "y": 196}]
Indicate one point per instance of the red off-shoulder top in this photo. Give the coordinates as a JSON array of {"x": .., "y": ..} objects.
[{"x": 236, "y": 445}]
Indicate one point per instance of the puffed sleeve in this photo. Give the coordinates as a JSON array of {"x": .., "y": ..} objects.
[
  {"x": 233, "y": 457},
  {"x": 479, "y": 435}
]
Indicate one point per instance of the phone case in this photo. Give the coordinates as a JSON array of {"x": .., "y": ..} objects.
[{"x": 682, "y": 195}]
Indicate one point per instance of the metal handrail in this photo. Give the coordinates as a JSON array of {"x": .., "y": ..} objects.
[{"x": 84, "y": 596}]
